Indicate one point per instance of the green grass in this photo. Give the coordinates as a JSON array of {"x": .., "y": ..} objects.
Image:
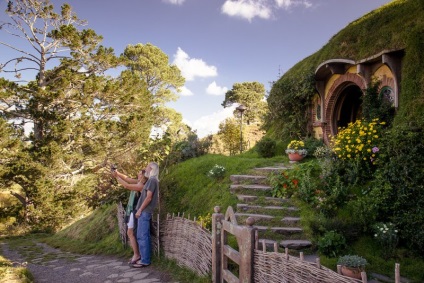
[
  {"x": 8, "y": 273},
  {"x": 186, "y": 187}
]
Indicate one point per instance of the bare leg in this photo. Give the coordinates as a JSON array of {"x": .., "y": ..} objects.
[{"x": 133, "y": 243}]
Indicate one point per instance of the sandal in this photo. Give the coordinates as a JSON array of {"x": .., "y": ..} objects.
[
  {"x": 134, "y": 261},
  {"x": 139, "y": 264}
]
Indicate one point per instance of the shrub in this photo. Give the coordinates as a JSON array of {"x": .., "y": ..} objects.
[
  {"x": 332, "y": 244},
  {"x": 266, "y": 147},
  {"x": 386, "y": 235},
  {"x": 217, "y": 172},
  {"x": 359, "y": 141},
  {"x": 283, "y": 184},
  {"x": 353, "y": 261}
]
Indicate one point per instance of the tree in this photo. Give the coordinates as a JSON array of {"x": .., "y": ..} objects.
[
  {"x": 229, "y": 133},
  {"x": 251, "y": 95},
  {"x": 81, "y": 119}
]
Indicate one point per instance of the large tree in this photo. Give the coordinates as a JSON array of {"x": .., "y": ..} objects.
[
  {"x": 80, "y": 119},
  {"x": 251, "y": 95}
]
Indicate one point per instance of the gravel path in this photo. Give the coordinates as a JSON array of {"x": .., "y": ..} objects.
[{"x": 52, "y": 265}]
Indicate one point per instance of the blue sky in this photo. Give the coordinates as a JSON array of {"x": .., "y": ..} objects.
[{"x": 217, "y": 43}]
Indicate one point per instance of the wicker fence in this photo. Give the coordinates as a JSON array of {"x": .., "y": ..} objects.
[
  {"x": 188, "y": 243},
  {"x": 201, "y": 251}
]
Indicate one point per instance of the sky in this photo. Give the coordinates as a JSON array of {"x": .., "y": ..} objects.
[{"x": 217, "y": 43}]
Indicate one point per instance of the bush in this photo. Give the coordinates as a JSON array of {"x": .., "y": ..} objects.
[
  {"x": 386, "y": 235},
  {"x": 332, "y": 244},
  {"x": 266, "y": 147},
  {"x": 217, "y": 172},
  {"x": 283, "y": 184}
]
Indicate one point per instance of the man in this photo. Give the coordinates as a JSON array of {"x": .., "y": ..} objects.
[{"x": 145, "y": 207}]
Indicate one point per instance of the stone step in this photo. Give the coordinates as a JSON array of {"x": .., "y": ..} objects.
[
  {"x": 246, "y": 198},
  {"x": 287, "y": 230},
  {"x": 291, "y": 220},
  {"x": 280, "y": 230},
  {"x": 251, "y": 179},
  {"x": 270, "y": 200},
  {"x": 276, "y": 199},
  {"x": 255, "y": 216},
  {"x": 256, "y": 187},
  {"x": 245, "y": 207},
  {"x": 295, "y": 244},
  {"x": 272, "y": 169}
]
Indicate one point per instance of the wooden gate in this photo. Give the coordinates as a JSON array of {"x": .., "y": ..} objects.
[{"x": 222, "y": 251}]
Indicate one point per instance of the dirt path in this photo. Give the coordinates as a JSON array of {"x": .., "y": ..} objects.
[{"x": 52, "y": 265}]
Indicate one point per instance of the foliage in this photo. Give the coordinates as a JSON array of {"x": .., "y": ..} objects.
[
  {"x": 323, "y": 152},
  {"x": 82, "y": 120},
  {"x": 401, "y": 179},
  {"x": 283, "y": 184},
  {"x": 205, "y": 221},
  {"x": 187, "y": 148},
  {"x": 288, "y": 102},
  {"x": 386, "y": 235},
  {"x": 266, "y": 147},
  {"x": 229, "y": 133},
  {"x": 331, "y": 244},
  {"x": 217, "y": 172},
  {"x": 377, "y": 105},
  {"x": 151, "y": 64},
  {"x": 354, "y": 261},
  {"x": 251, "y": 95}
]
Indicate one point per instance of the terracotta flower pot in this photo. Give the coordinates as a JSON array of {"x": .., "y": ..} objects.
[
  {"x": 295, "y": 157},
  {"x": 352, "y": 272}
]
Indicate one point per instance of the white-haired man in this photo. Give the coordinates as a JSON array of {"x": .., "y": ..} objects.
[{"x": 145, "y": 207}]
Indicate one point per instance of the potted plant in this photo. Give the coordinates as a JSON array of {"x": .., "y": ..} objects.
[
  {"x": 352, "y": 265},
  {"x": 296, "y": 150}
]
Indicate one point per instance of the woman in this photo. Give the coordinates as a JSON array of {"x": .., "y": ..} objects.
[{"x": 135, "y": 186}]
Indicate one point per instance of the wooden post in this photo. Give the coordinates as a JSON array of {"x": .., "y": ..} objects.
[
  {"x": 364, "y": 277},
  {"x": 256, "y": 240},
  {"x": 318, "y": 262},
  {"x": 339, "y": 269},
  {"x": 216, "y": 244},
  {"x": 397, "y": 273},
  {"x": 302, "y": 258},
  {"x": 247, "y": 251}
]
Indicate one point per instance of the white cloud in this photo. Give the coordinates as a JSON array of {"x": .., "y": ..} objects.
[
  {"x": 209, "y": 124},
  {"x": 175, "y": 2},
  {"x": 191, "y": 67},
  {"x": 287, "y": 4},
  {"x": 247, "y": 9},
  {"x": 215, "y": 89},
  {"x": 185, "y": 91}
]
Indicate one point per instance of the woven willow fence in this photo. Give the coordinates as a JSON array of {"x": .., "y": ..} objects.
[
  {"x": 281, "y": 268},
  {"x": 188, "y": 243}
]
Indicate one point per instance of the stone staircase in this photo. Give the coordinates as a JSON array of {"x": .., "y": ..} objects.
[{"x": 277, "y": 220}]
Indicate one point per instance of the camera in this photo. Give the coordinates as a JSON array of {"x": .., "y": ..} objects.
[{"x": 113, "y": 167}]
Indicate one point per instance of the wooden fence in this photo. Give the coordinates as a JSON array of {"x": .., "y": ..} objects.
[{"x": 207, "y": 253}]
